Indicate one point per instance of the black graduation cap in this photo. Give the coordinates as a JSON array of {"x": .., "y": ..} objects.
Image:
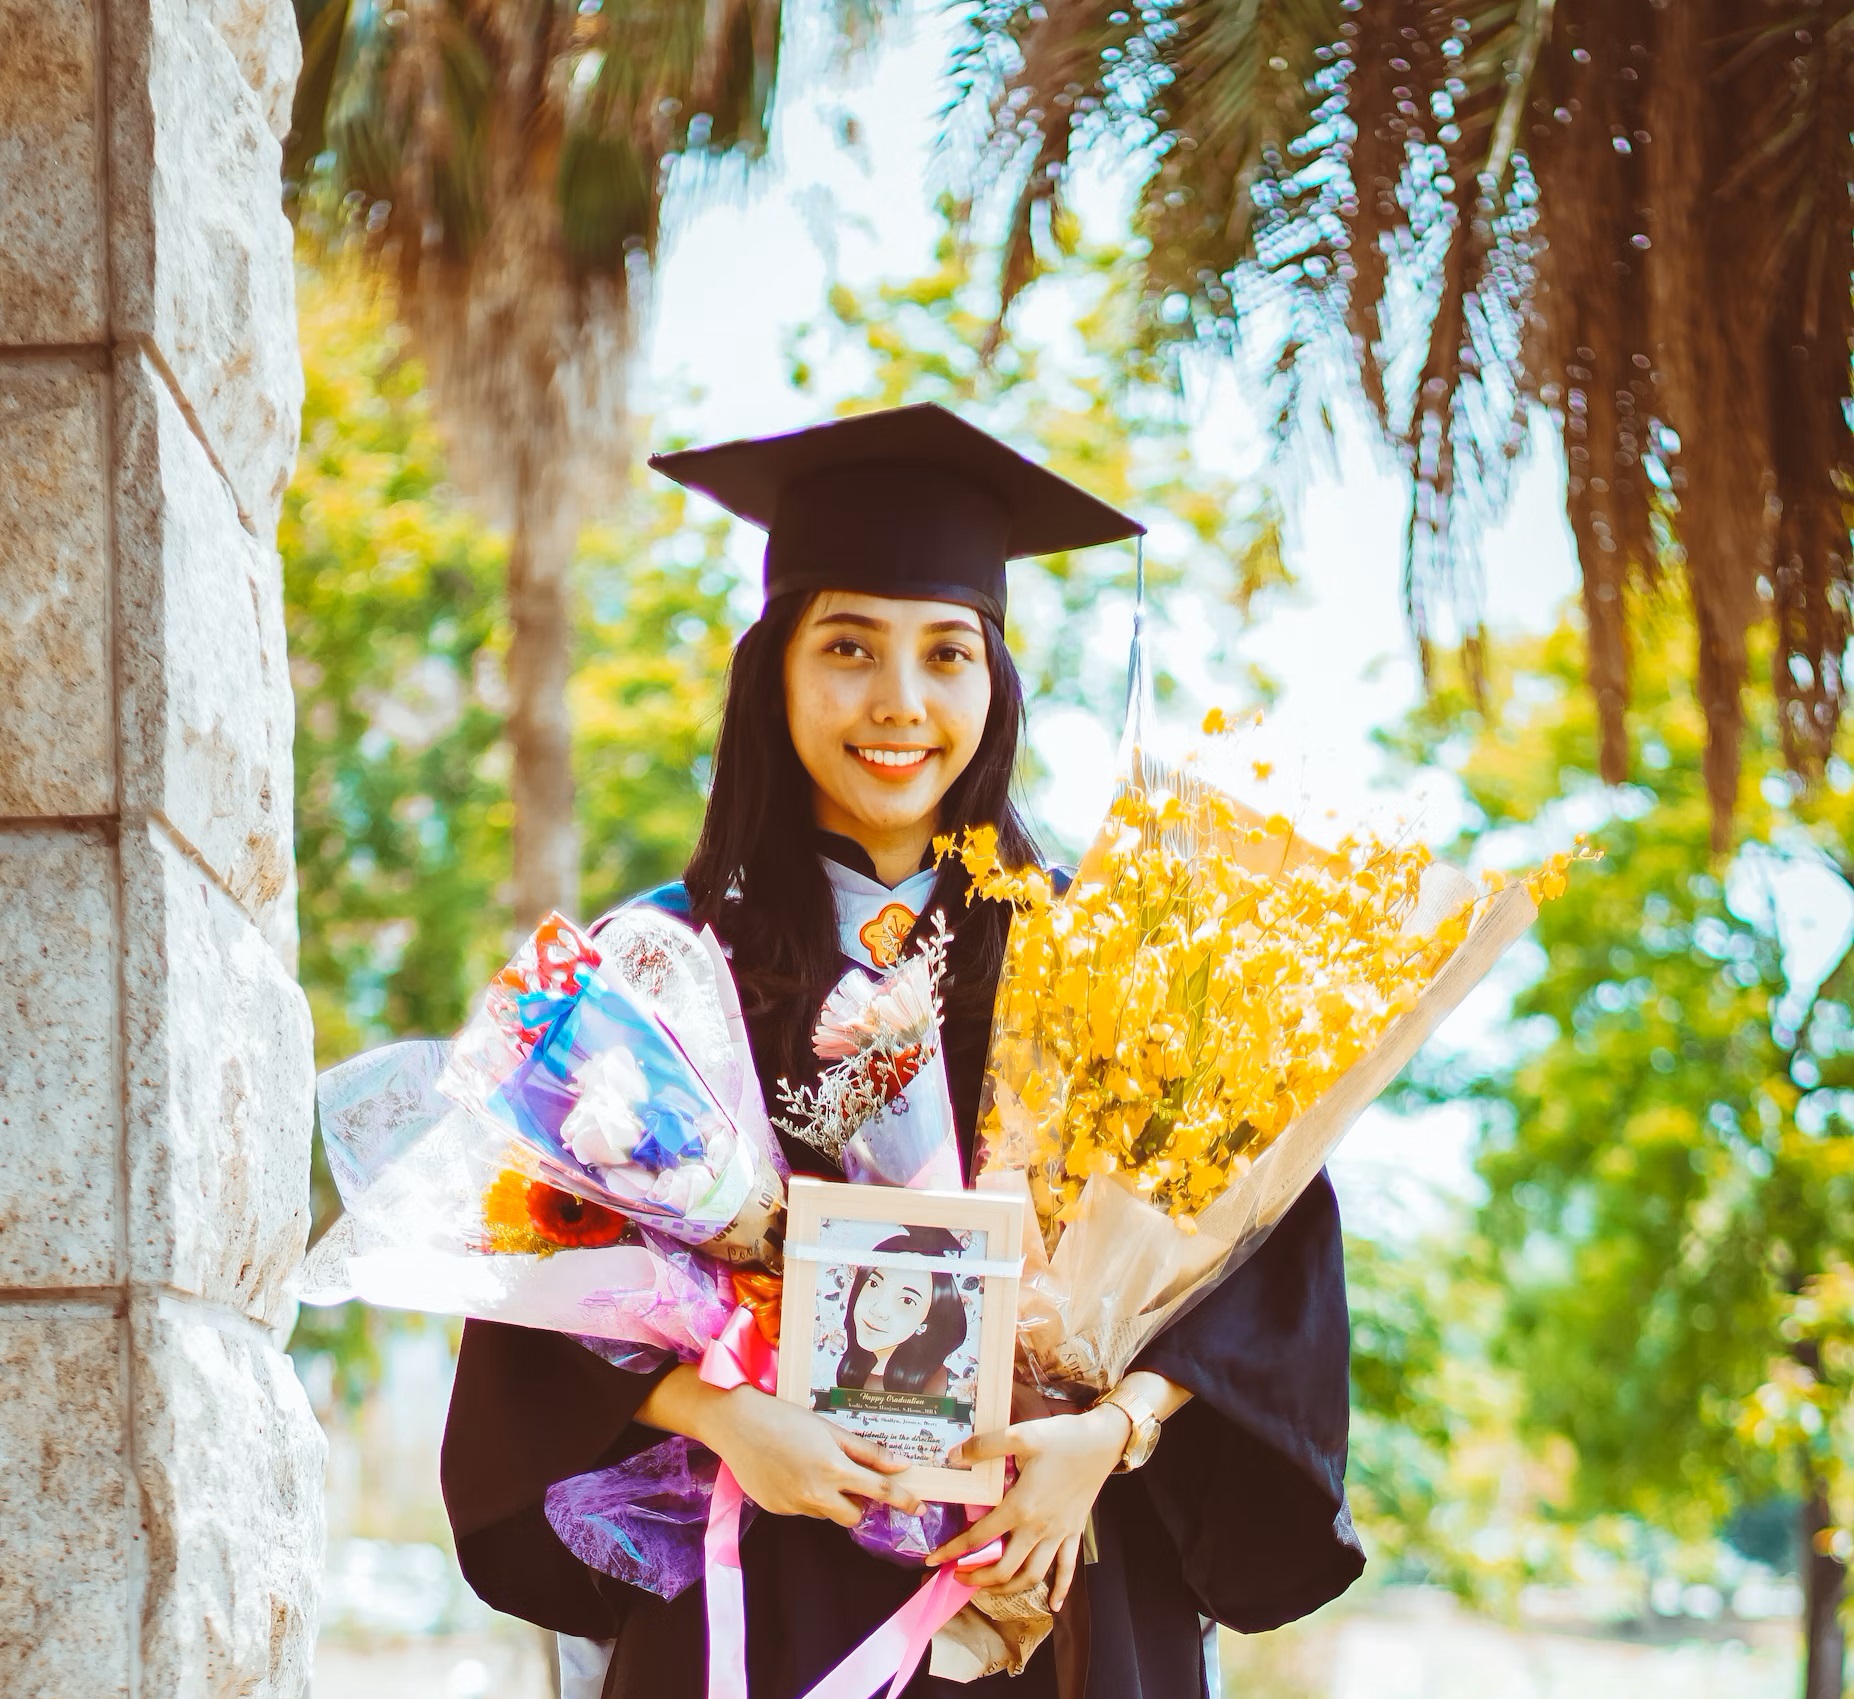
[{"x": 911, "y": 501}]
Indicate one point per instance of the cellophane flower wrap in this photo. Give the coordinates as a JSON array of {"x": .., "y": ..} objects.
[
  {"x": 622, "y": 1076},
  {"x": 1182, "y": 1038},
  {"x": 881, "y": 1107},
  {"x": 452, "y": 1205},
  {"x": 590, "y": 1155}
]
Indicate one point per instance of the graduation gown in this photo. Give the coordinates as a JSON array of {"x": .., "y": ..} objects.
[{"x": 1240, "y": 1515}]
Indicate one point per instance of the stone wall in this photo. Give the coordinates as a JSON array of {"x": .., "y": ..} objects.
[{"x": 160, "y": 1473}]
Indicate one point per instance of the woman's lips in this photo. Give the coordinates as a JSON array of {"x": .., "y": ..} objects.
[{"x": 892, "y": 763}]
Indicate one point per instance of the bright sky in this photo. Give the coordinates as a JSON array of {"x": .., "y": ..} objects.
[{"x": 753, "y": 263}]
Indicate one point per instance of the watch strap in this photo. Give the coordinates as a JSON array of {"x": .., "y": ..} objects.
[{"x": 1143, "y": 1435}]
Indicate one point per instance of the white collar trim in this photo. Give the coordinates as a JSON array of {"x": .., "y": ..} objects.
[{"x": 874, "y": 919}]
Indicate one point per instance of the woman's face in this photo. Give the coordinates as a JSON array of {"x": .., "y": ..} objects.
[
  {"x": 887, "y": 702},
  {"x": 891, "y": 1307}
]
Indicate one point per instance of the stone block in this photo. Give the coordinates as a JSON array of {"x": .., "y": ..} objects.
[
  {"x": 57, "y": 739},
  {"x": 59, "y": 1117},
  {"x": 200, "y": 249},
  {"x": 66, "y": 1545},
  {"x": 206, "y": 705},
  {"x": 51, "y": 248},
  {"x": 268, "y": 48},
  {"x": 221, "y": 1074},
  {"x": 229, "y": 1462}
]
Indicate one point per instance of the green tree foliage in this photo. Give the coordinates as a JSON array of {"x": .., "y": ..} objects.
[
  {"x": 1804, "y": 1414},
  {"x": 1670, "y": 1159},
  {"x": 1445, "y": 1486},
  {"x": 1805, "y": 1411},
  {"x": 394, "y": 599},
  {"x": 398, "y": 633}
]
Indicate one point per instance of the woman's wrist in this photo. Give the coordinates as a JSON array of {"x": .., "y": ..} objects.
[
  {"x": 1115, "y": 1423},
  {"x": 1161, "y": 1396},
  {"x": 683, "y": 1403},
  {"x": 1144, "y": 1399}
]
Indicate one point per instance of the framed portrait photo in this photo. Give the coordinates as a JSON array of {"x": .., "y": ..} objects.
[{"x": 899, "y": 1319}]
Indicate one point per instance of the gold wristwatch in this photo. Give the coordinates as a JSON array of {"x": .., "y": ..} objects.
[{"x": 1145, "y": 1433}]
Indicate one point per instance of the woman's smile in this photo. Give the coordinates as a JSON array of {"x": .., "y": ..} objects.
[{"x": 887, "y": 758}]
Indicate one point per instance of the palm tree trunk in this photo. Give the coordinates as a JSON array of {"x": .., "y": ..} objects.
[
  {"x": 1824, "y": 1578},
  {"x": 540, "y": 731}
]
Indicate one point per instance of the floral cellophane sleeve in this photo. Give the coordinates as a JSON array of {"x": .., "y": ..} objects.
[
  {"x": 620, "y": 1080},
  {"x": 1182, "y": 1038},
  {"x": 881, "y": 1108},
  {"x": 585, "y": 1156}
]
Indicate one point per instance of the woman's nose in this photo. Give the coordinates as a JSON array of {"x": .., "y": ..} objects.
[{"x": 900, "y": 699}]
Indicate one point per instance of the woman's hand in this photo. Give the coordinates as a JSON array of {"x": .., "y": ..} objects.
[
  {"x": 793, "y": 1462},
  {"x": 1061, "y": 1463}
]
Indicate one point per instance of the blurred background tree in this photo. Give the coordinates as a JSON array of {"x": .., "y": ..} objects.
[
  {"x": 399, "y": 638},
  {"x": 1667, "y": 1145},
  {"x": 1631, "y": 212},
  {"x": 507, "y": 163},
  {"x": 1805, "y": 1415}
]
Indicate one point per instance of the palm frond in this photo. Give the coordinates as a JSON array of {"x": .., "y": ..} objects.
[
  {"x": 1633, "y": 213},
  {"x": 510, "y": 161}
]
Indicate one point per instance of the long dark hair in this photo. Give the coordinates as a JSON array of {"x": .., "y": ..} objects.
[
  {"x": 919, "y": 1357},
  {"x": 755, "y": 875}
]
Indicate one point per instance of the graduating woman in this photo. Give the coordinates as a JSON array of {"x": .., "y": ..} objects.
[{"x": 873, "y": 705}]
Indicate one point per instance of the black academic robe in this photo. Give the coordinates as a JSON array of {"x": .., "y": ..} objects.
[{"x": 1240, "y": 1515}]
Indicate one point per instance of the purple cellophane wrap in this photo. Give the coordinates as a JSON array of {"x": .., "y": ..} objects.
[
  {"x": 682, "y": 1311},
  {"x": 889, "y": 1533},
  {"x": 644, "y": 1520},
  {"x": 622, "y": 1354}
]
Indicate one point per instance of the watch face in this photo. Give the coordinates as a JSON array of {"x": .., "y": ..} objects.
[{"x": 1143, "y": 1436}]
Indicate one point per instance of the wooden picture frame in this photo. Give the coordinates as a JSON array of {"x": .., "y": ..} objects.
[{"x": 938, "y": 1321}]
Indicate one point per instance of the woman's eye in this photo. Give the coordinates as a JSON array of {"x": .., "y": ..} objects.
[
  {"x": 848, "y": 647},
  {"x": 950, "y": 654}
]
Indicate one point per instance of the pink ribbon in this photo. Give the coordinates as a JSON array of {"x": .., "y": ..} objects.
[
  {"x": 727, "y": 1605},
  {"x": 894, "y": 1651},
  {"x": 741, "y": 1356}
]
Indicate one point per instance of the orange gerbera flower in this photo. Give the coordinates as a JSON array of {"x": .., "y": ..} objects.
[
  {"x": 505, "y": 1204},
  {"x": 574, "y": 1222}
]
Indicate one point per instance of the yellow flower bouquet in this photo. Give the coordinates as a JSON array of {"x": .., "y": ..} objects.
[{"x": 1182, "y": 1037}]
